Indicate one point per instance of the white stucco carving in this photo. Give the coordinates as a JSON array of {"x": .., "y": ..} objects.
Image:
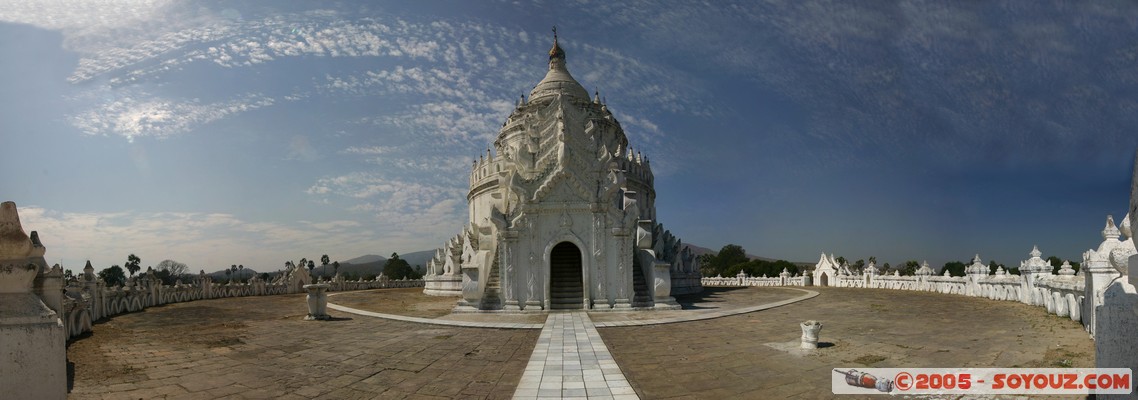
[
  {"x": 561, "y": 171},
  {"x": 32, "y": 338}
]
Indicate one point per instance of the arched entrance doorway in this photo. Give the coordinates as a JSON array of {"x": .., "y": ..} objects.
[
  {"x": 565, "y": 288},
  {"x": 823, "y": 280}
]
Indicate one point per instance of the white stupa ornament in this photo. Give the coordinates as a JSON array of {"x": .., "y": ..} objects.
[
  {"x": 1111, "y": 232},
  {"x": 925, "y": 269},
  {"x": 16, "y": 253},
  {"x": 1066, "y": 269},
  {"x": 1124, "y": 229}
]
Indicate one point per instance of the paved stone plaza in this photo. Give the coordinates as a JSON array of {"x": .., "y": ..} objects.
[{"x": 259, "y": 347}]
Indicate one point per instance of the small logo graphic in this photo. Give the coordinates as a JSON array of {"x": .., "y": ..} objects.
[
  {"x": 982, "y": 381},
  {"x": 862, "y": 379}
]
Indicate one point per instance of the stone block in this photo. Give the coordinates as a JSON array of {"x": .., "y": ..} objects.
[{"x": 1116, "y": 345}]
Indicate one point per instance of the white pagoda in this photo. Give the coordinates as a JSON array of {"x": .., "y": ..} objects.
[{"x": 562, "y": 215}]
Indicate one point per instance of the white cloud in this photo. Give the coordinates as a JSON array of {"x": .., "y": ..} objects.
[
  {"x": 428, "y": 209},
  {"x": 466, "y": 75},
  {"x": 369, "y": 150},
  {"x": 140, "y": 114}
]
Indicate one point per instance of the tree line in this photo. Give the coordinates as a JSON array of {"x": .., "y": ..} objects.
[{"x": 732, "y": 259}]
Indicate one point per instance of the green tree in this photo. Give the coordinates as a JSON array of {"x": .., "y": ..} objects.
[
  {"x": 873, "y": 260},
  {"x": 170, "y": 271},
  {"x": 841, "y": 260},
  {"x": 397, "y": 268},
  {"x": 910, "y": 268},
  {"x": 729, "y": 255},
  {"x": 113, "y": 275},
  {"x": 954, "y": 268},
  {"x": 324, "y": 260},
  {"x": 707, "y": 264},
  {"x": 132, "y": 264},
  {"x": 790, "y": 267},
  {"x": 858, "y": 265},
  {"x": 335, "y": 267},
  {"x": 769, "y": 269}
]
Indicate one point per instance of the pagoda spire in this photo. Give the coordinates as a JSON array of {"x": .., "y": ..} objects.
[{"x": 556, "y": 51}]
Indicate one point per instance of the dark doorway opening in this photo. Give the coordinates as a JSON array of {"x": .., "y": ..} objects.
[{"x": 565, "y": 278}]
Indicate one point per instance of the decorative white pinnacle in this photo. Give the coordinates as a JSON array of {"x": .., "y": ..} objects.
[
  {"x": 1110, "y": 231},
  {"x": 1066, "y": 269}
]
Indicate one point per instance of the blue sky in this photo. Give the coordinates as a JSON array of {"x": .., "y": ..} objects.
[{"x": 216, "y": 133}]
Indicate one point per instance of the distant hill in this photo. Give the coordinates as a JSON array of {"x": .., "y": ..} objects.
[
  {"x": 363, "y": 259},
  {"x": 698, "y": 251},
  {"x": 220, "y": 276},
  {"x": 359, "y": 270},
  {"x": 373, "y": 265},
  {"x": 419, "y": 258}
]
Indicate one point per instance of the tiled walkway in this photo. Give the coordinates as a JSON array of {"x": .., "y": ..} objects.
[{"x": 571, "y": 361}]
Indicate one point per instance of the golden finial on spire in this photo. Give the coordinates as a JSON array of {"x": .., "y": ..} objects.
[{"x": 556, "y": 51}]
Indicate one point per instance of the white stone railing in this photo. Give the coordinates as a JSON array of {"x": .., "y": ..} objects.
[
  {"x": 90, "y": 300},
  {"x": 1062, "y": 295}
]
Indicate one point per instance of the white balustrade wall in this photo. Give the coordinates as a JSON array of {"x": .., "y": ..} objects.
[
  {"x": 1079, "y": 296},
  {"x": 90, "y": 299},
  {"x": 1060, "y": 295}
]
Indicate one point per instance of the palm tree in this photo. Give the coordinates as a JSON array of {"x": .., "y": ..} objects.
[
  {"x": 232, "y": 269},
  {"x": 132, "y": 262},
  {"x": 240, "y": 268},
  {"x": 324, "y": 262},
  {"x": 335, "y": 268}
]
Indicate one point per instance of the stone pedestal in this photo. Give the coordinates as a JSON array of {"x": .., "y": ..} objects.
[
  {"x": 443, "y": 285},
  {"x": 33, "y": 350},
  {"x": 1116, "y": 345},
  {"x": 662, "y": 287},
  {"x": 533, "y": 305},
  {"x": 317, "y": 302},
  {"x": 810, "y": 330}
]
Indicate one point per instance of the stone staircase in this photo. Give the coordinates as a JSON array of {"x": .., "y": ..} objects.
[
  {"x": 566, "y": 292},
  {"x": 491, "y": 298},
  {"x": 641, "y": 296}
]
